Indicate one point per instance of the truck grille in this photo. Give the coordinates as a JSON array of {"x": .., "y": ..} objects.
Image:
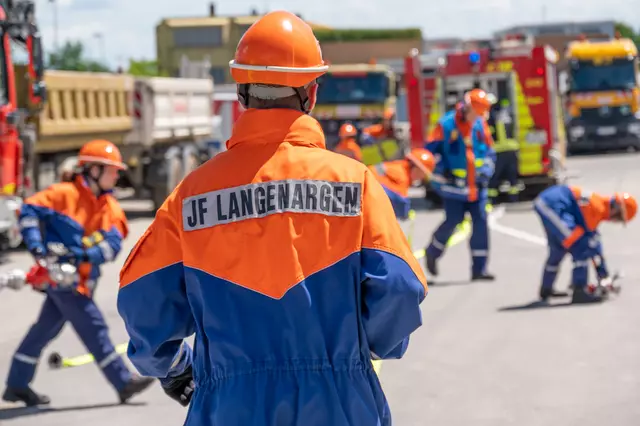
[{"x": 605, "y": 115}]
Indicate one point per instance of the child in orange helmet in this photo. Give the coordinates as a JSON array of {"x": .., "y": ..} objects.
[
  {"x": 570, "y": 217},
  {"x": 82, "y": 216},
  {"x": 348, "y": 145},
  {"x": 396, "y": 177}
]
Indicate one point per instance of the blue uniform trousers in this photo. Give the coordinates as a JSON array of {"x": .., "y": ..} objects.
[
  {"x": 479, "y": 242},
  {"x": 88, "y": 322},
  {"x": 581, "y": 259}
]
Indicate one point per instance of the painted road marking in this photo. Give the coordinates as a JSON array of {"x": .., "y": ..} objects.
[{"x": 512, "y": 232}]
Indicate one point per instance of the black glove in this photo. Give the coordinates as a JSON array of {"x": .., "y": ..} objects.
[{"x": 180, "y": 387}]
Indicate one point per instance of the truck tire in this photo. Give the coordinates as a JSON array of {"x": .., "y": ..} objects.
[
  {"x": 166, "y": 177},
  {"x": 190, "y": 159},
  {"x": 175, "y": 171}
]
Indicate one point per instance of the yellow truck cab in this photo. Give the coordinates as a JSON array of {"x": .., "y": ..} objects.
[
  {"x": 359, "y": 94},
  {"x": 603, "y": 95}
]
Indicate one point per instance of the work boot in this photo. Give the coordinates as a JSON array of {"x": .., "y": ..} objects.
[
  {"x": 136, "y": 385},
  {"x": 483, "y": 276},
  {"x": 548, "y": 293},
  {"x": 581, "y": 295},
  {"x": 432, "y": 264},
  {"x": 26, "y": 395}
]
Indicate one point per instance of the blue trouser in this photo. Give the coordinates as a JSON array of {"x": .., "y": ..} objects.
[
  {"x": 506, "y": 169},
  {"x": 88, "y": 322},
  {"x": 581, "y": 259},
  {"x": 454, "y": 215}
]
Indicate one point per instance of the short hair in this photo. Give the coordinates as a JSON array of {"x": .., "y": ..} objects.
[{"x": 267, "y": 96}]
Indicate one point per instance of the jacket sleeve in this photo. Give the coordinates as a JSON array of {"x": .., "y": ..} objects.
[
  {"x": 104, "y": 246},
  {"x": 488, "y": 167},
  {"x": 393, "y": 284},
  {"x": 108, "y": 247},
  {"x": 152, "y": 299},
  {"x": 36, "y": 209}
]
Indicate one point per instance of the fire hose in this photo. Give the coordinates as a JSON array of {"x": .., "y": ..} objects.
[
  {"x": 46, "y": 273},
  {"x": 605, "y": 284}
]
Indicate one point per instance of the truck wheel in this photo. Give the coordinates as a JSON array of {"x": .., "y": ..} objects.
[
  {"x": 168, "y": 180},
  {"x": 175, "y": 172},
  {"x": 191, "y": 159}
]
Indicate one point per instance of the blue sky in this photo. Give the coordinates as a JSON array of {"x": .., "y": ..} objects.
[{"x": 128, "y": 26}]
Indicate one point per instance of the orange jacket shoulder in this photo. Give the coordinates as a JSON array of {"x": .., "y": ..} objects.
[
  {"x": 55, "y": 197},
  {"x": 159, "y": 246}
]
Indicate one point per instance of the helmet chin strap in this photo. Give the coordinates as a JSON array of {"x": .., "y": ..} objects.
[{"x": 86, "y": 173}]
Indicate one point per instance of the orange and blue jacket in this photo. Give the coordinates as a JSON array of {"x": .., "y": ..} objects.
[
  {"x": 287, "y": 263},
  {"x": 395, "y": 178},
  {"x": 572, "y": 215},
  {"x": 350, "y": 148},
  {"x": 466, "y": 157},
  {"x": 90, "y": 228}
]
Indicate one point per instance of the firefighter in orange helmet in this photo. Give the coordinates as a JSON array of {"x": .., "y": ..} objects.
[
  {"x": 462, "y": 140},
  {"x": 347, "y": 144},
  {"x": 311, "y": 226},
  {"x": 84, "y": 218},
  {"x": 397, "y": 176}
]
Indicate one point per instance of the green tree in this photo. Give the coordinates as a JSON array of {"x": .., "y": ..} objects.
[
  {"x": 70, "y": 57},
  {"x": 145, "y": 68},
  {"x": 627, "y": 31}
]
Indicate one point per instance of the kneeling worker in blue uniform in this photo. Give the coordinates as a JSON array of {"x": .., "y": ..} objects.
[
  {"x": 463, "y": 142},
  {"x": 570, "y": 217},
  {"x": 86, "y": 219}
]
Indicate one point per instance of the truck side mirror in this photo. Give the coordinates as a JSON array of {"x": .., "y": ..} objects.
[
  {"x": 36, "y": 56},
  {"x": 397, "y": 87}
]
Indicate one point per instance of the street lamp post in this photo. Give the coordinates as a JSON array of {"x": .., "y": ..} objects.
[
  {"x": 54, "y": 3},
  {"x": 100, "y": 38}
]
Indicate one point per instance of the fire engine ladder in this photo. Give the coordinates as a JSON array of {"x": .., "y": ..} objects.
[{"x": 430, "y": 104}]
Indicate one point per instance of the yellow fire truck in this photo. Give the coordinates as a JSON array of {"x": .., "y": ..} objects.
[
  {"x": 359, "y": 94},
  {"x": 603, "y": 96}
]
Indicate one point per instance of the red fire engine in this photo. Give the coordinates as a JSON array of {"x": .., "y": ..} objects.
[
  {"x": 515, "y": 71},
  {"x": 17, "y": 137}
]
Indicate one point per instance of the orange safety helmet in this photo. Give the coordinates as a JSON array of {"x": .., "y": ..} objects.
[
  {"x": 422, "y": 159},
  {"x": 628, "y": 205},
  {"x": 479, "y": 100},
  {"x": 347, "y": 130},
  {"x": 278, "y": 49},
  {"x": 101, "y": 152}
]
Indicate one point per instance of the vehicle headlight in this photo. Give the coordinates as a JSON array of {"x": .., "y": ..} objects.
[
  {"x": 634, "y": 128},
  {"x": 576, "y": 131}
]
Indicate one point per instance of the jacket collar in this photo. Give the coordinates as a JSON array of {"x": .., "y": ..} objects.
[
  {"x": 275, "y": 126},
  {"x": 83, "y": 186}
]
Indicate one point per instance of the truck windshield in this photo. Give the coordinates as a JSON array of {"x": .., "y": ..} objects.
[
  {"x": 617, "y": 75},
  {"x": 365, "y": 88}
]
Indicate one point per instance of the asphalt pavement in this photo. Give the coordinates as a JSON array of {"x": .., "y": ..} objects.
[{"x": 487, "y": 354}]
